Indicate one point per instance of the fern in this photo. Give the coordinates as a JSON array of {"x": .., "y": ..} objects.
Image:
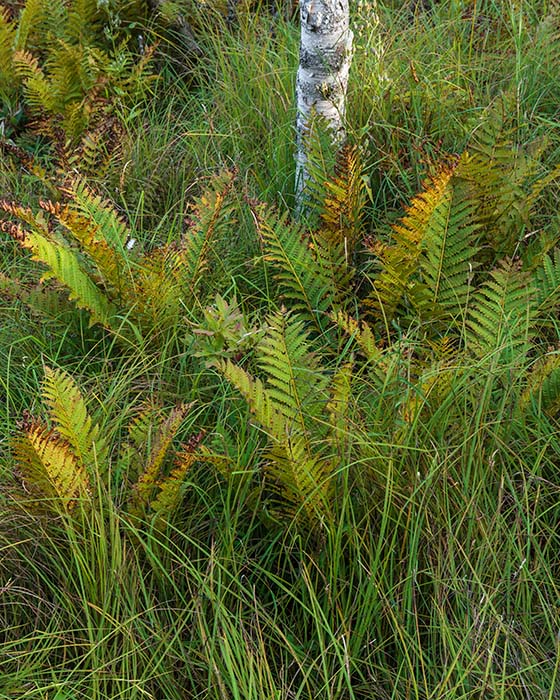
[
  {"x": 396, "y": 283},
  {"x": 543, "y": 387},
  {"x": 49, "y": 469},
  {"x": 149, "y": 481},
  {"x": 63, "y": 265},
  {"x": 84, "y": 19},
  {"x": 448, "y": 257},
  {"x": 62, "y": 461},
  {"x": 169, "y": 495},
  {"x": 210, "y": 213},
  {"x": 68, "y": 411},
  {"x": 170, "y": 278},
  {"x": 303, "y": 480},
  {"x": 37, "y": 88},
  {"x": 338, "y": 408},
  {"x": 92, "y": 260},
  {"x": 7, "y": 40},
  {"x": 31, "y": 22},
  {"x": 547, "y": 284},
  {"x": 69, "y": 72},
  {"x": 504, "y": 181},
  {"x": 501, "y": 314},
  {"x": 315, "y": 268},
  {"x": 302, "y": 277},
  {"x": 98, "y": 231},
  {"x": 340, "y": 199},
  {"x": 294, "y": 380},
  {"x": 343, "y": 200},
  {"x": 363, "y": 336},
  {"x": 286, "y": 407}
]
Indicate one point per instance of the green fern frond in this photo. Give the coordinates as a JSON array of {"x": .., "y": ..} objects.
[
  {"x": 144, "y": 426},
  {"x": 285, "y": 405},
  {"x": 547, "y": 284},
  {"x": 294, "y": 380},
  {"x": 73, "y": 70},
  {"x": 68, "y": 412},
  {"x": 340, "y": 228},
  {"x": 448, "y": 256},
  {"x": 503, "y": 179},
  {"x": 302, "y": 479},
  {"x": 302, "y": 278},
  {"x": 49, "y": 469},
  {"x": 336, "y": 192},
  {"x": 542, "y": 392},
  {"x": 168, "y": 278},
  {"x": 54, "y": 23},
  {"x": 63, "y": 264},
  {"x": 501, "y": 314}
]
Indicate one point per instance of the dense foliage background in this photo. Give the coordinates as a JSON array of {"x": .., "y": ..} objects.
[{"x": 244, "y": 456}]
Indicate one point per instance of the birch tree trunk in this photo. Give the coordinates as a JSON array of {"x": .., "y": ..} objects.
[{"x": 322, "y": 77}]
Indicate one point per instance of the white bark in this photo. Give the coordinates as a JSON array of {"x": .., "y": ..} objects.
[{"x": 322, "y": 78}]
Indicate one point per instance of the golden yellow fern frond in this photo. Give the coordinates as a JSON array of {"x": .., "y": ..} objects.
[
  {"x": 37, "y": 87},
  {"x": 260, "y": 403},
  {"x": 31, "y": 20},
  {"x": 49, "y": 469},
  {"x": 362, "y": 334},
  {"x": 7, "y": 40},
  {"x": 63, "y": 264},
  {"x": 400, "y": 261},
  {"x": 100, "y": 233}
]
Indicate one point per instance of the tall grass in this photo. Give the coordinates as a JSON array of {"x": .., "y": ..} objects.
[{"x": 437, "y": 577}]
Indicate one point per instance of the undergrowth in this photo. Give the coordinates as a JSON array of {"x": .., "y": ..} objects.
[{"x": 244, "y": 456}]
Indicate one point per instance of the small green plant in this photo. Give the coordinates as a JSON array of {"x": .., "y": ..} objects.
[{"x": 225, "y": 332}]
